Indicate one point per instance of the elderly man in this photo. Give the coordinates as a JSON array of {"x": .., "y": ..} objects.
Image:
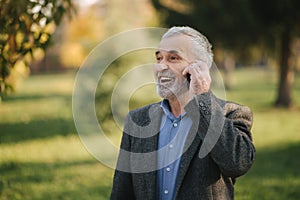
[{"x": 191, "y": 145}]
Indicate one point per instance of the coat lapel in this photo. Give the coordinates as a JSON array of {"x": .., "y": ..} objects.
[
  {"x": 192, "y": 143},
  {"x": 187, "y": 157},
  {"x": 155, "y": 114}
]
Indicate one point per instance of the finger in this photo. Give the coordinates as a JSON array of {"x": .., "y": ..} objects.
[
  {"x": 195, "y": 69},
  {"x": 186, "y": 71}
]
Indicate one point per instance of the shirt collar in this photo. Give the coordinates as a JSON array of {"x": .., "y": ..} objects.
[{"x": 166, "y": 108}]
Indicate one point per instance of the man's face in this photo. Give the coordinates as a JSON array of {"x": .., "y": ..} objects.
[{"x": 172, "y": 57}]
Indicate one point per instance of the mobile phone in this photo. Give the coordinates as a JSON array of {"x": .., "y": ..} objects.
[{"x": 188, "y": 77}]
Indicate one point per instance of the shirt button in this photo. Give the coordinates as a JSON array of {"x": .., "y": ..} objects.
[
  {"x": 171, "y": 146},
  {"x": 168, "y": 169},
  {"x": 166, "y": 191},
  {"x": 175, "y": 124}
]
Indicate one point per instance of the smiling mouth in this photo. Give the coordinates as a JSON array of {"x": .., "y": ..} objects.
[{"x": 165, "y": 79}]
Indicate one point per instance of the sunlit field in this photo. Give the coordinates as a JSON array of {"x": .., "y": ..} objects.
[{"x": 42, "y": 157}]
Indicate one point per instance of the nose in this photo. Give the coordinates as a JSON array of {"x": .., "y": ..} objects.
[{"x": 160, "y": 67}]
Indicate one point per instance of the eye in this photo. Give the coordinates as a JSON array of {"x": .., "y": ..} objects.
[
  {"x": 158, "y": 58},
  {"x": 174, "y": 58}
]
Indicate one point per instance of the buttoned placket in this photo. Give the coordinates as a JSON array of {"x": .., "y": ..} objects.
[
  {"x": 168, "y": 172},
  {"x": 172, "y": 137}
]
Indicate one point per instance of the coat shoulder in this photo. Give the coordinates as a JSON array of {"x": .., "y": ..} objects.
[
  {"x": 141, "y": 116},
  {"x": 234, "y": 110}
]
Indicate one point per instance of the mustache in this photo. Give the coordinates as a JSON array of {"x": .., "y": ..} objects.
[{"x": 166, "y": 73}]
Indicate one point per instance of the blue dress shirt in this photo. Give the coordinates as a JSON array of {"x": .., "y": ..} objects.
[{"x": 172, "y": 136}]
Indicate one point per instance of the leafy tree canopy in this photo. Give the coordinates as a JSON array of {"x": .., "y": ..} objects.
[
  {"x": 27, "y": 25},
  {"x": 239, "y": 25},
  {"x": 235, "y": 24}
]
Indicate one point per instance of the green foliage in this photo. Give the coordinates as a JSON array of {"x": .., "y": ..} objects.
[
  {"x": 240, "y": 25},
  {"x": 224, "y": 22},
  {"x": 275, "y": 16},
  {"x": 235, "y": 24},
  {"x": 26, "y": 26}
]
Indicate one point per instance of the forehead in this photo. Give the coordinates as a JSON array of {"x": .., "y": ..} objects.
[{"x": 177, "y": 43}]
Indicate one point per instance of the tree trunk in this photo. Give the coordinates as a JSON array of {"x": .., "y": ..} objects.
[
  {"x": 286, "y": 74},
  {"x": 229, "y": 67}
]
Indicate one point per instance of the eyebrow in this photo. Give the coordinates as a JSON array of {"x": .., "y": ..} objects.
[{"x": 171, "y": 51}]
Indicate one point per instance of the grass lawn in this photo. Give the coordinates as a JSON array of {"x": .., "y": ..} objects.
[{"x": 42, "y": 157}]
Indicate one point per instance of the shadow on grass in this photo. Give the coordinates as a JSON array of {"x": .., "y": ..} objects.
[
  {"x": 36, "y": 129},
  {"x": 275, "y": 175},
  {"x": 30, "y": 97},
  {"x": 42, "y": 125},
  {"x": 83, "y": 179}
]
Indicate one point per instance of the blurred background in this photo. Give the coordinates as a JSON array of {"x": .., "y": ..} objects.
[{"x": 43, "y": 43}]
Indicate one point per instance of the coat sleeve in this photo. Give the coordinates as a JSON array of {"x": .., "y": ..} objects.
[
  {"x": 122, "y": 182},
  {"x": 228, "y": 137}
]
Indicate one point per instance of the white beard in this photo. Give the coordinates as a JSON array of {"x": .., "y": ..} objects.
[{"x": 172, "y": 90}]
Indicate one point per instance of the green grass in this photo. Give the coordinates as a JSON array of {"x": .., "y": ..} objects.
[
  {"x": 42, "y": 157},
  {"x": 275, "y": 174}
]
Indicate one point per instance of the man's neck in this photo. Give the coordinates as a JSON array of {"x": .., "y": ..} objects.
[{"x": 178, "y": 103}]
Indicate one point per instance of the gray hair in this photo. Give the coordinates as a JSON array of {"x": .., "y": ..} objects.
[{"x": 202, "y": 47}]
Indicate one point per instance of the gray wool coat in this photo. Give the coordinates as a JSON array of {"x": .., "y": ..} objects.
[{"x": 218, "y": 149}]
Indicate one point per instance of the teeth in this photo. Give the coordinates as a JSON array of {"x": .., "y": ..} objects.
[{"x": 165, "y": 79}]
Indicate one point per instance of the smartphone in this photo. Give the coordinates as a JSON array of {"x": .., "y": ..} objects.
[{"x": 188, "y": 77}]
